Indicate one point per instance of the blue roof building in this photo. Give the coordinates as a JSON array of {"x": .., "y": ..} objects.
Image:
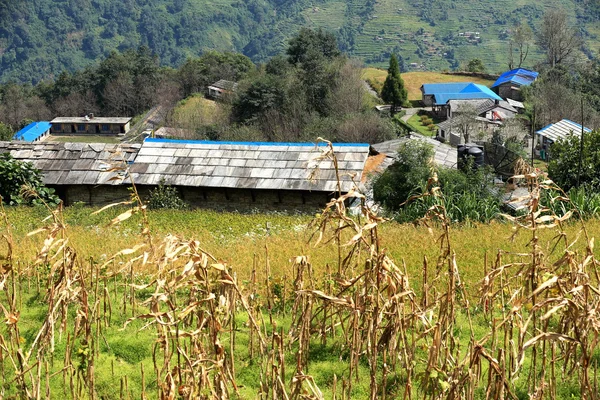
[
  {"x": 33, "y": 132},
  {"x": 518, "y": 76},
  {"x": 439, "y": 94},
  {"x": 509, "y": 84}
]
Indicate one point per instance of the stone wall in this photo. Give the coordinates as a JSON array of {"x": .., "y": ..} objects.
[{"x": 243, "y": 200}]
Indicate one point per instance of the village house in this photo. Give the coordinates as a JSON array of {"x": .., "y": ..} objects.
[
  {"x": 553, "y": 132},
  {"x": 222, "y": 88},
  {"x": 33, "y": 132},
  {"x": 90, "y": 125},
  {"x": 239, "y": 176},
  {"x": 509, "y": 84},
  {"x": 438, "y": 95}
]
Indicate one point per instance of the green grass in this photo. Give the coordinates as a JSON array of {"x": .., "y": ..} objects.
[
  {"x": 238, "y": 240},
  {"x": 415, "y": 122}
]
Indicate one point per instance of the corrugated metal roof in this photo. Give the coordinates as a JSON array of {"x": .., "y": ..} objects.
[
  {"x": 94, "y": 120},
  {"x": 561, "y": 130},
  {"x": 32, "y": 131},
  {"x": 518, "y": 76},
  {"x": 444, "y": 92},
  {"x": 515, "y": 104},
  {"x": 73, "y": 163},
  {"x": 251, "y": 165}
]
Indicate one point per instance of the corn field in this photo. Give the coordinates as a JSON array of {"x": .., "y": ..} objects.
[{"x": 531, "y": 330}]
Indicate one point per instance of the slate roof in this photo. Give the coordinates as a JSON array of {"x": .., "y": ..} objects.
[
  {"x": 246, "y": 165},
  {"x": 73, "y": 163},
  {"x": 225, "y": 85},
  {"x": 444, "y": 92},
  {"x": 445, "y": 155},
  {"x": 32, "y": 131},
  {"x": 561, "y": 130},
  {"x": 515, "y": 103},
  {"x": 94, "y": 120},
  {"x": 518, "y": 76},
  {"x": 490, "y": 105}
]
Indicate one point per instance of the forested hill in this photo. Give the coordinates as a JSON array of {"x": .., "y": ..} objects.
[{"x": 41, "y": 38}]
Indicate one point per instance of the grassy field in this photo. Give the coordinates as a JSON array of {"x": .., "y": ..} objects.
[
  {"x": 111, "y": 311},
  {"x": 414, "y": 80},
  {"x": 196, "y": 111}
]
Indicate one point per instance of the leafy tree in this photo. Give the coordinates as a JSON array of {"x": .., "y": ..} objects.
[
  {"x": 21, "y": 183},
  {"x": 393, "y": 91},
  {"x": 475, "y": 65},
  {"x": 405, "y": 177},
  {"x": 308, "y": 43},
  {"x": 563, "y": 167},
  {"x": 557, "y": 38},
  {"x": 263, "y": 94},
  {"x": 6, "y": 132}
]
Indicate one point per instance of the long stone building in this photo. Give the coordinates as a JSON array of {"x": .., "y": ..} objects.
[{"x": 220, "y": 175}]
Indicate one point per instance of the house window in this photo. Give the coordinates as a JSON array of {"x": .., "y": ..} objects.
[
  {"x": 81, "y": 128},
  {"x": 105, "y": 127},
  {"x": 56, "y": 127}
]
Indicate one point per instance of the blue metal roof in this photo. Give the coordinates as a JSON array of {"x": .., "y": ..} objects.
[
  {"x": 32, "y": 131},
  {"x": 444, "y": 92},
  {"x": 155, "y": 140},
  {"x": 518, "y": 76}
]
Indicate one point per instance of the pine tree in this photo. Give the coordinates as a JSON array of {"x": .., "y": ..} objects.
[{"x": 393, "y": 91}]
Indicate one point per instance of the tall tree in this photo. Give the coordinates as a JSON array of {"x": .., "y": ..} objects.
[
  {"x": 393, "y": 91},
  {"x": 557, "y": 38},
  {"x": 521, "y": 38}
]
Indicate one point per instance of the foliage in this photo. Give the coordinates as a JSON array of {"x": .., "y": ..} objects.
[
  {"x": 165, "y": 196},
  {"x": 406, "y": 177},
  {"x": 563, "y": 167},
  {"x": 393, "y": 91},
  {"x": 467, "y": 195},
  {"x": 21, "y": 183},
  {"x": 6, "y": 132},
  {"x": 475, "y": 65},
  {"x": 308, "y": 44}
]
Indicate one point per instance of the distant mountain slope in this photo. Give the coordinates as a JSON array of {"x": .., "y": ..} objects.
[{"x": 39, "y": 39}]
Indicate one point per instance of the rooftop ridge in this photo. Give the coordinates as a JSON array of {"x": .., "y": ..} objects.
[{"x": 216, "y": 142}]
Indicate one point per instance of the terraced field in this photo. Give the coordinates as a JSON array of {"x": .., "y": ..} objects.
[{"x": 440, "y": 35}]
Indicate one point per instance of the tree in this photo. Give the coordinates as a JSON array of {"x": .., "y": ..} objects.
[
  {"x": 308, "y": 42},
  {"x": 521, "y": 38},
  {"x": 6, "y": 132},
  {"x": 557, "y": 38},
  {"x": 475, "y": 65},
  {"x": 393, "y": 90},
  {"x": 465, "y": 121},
  {"x": 563, "y": 167},
  {"x": 405, "y": 177},
  {"x": 21, "y": 183}
]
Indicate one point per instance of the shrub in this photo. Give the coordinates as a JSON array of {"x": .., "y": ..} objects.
[
  {"x": 21, "y": 183},
  {"x": 431, "y": 127},
  {"x": 166, "y": 196}
]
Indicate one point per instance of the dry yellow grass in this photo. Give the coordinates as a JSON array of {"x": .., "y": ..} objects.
[
  {"x": 289, "y": 237},
  {"x": 196, "y": 111},
  {"x": 414, "y": 80}
]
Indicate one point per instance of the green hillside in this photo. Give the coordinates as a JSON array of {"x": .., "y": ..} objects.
[{"x": 40, "y": 39}]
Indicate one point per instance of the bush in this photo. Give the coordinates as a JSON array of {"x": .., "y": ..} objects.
[
  {"x": 431, "y": 127},
  {"x": 21, "y": 183},
  {"x": 166, "y": 196}
]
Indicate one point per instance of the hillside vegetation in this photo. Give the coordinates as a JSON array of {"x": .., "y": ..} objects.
[{"x": 40, "y": 39}]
